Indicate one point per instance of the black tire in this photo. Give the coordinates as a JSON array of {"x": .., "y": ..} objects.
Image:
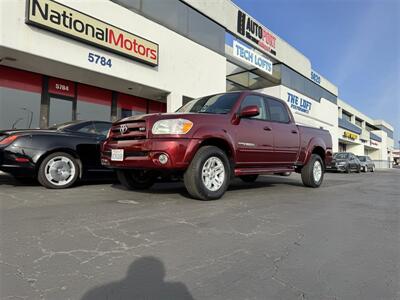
[
  {"x": 193, "y": 176},
  {"x": 348, "y": 169},
  {"x": 135, "y": 179},
  {"x": 307, "y": 174},
  {"x": 53, "y": 184},
  {"x": 249, "y": 178},
  {"x": 373, "y": 169}
]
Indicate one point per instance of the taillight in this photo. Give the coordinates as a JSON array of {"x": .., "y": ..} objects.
[{"x": 8, "y": 140}]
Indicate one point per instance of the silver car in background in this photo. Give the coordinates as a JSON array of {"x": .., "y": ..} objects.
[{"x": 366, "y": 163}]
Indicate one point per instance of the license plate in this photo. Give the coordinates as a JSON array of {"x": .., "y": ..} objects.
[{"x": 117, "y": 154}]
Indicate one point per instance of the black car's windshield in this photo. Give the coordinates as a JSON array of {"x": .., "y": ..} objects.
[
  {"x": 341, "y": 156},
  {"x": 362, "y": 158},
  {"x": 217, "y": 104},
  {"x": 62, "y": 126}
]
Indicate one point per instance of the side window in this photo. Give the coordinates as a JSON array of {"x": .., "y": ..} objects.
[
  {"x": 102, "y": 128},
  {"x": 278, "y": 111},
  {"x": 88, "y": 129},
  {"x": 257, "y": 101}
]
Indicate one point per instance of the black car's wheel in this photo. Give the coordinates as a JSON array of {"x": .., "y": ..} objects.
[
  {"x": 135, "y": 179},
  {"x": 207, "y": 176},
  {"x": 58, "y": 170},
  {"x": 249, "y": 178},
  {"x": 373, "y": 169},
  {"x": 312, "y": 173}
]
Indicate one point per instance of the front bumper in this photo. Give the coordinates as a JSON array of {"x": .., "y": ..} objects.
[
  {"x": 336, "y": 168},
  {"x": 144, "y": 154}
]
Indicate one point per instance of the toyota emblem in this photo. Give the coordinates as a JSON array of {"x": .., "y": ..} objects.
[{"x": 123, "y": 128}]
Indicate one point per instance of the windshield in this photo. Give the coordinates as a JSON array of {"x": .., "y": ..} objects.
[
  {"x": 62, "y": 125},
  {"x": 362, "y": 158},
  {"x": 341, "y": 156},
  {"x": 217, "y": 104}
]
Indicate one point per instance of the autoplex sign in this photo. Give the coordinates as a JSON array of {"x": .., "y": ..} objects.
[
  {"x": 56, "y": 17},
  {"x": 251, "y": 57},
  {"x": 255, "y": 32}
]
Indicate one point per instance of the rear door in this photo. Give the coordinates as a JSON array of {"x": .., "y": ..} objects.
[
  {"x": 254, "y": 137},
  {"x": 286, "y": 133}
]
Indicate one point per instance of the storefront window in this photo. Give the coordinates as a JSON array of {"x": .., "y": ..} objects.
[
  {"x": 20, "y": 97},
  {"x": 157, "y": 107},
  {"x": 60, "y": 111},
  {"x": 93, "y": 103},
  {"x": 130, "y": 106}
]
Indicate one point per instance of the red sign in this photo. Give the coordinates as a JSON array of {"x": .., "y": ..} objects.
[{"x": 61, "y": 87}]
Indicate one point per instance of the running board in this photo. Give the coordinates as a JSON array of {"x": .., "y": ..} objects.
[{"x": 251, "y": 171}]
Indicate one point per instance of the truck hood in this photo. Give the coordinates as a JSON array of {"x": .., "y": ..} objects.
[{"x": 152, "y": 118}]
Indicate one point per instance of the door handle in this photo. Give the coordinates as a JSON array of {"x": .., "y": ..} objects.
[
  {"x": 294, "y": 131},
  {"x": 266, "y": 128}
]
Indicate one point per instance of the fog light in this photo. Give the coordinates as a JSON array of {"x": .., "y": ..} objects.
[{"x": 163, "y": 159}]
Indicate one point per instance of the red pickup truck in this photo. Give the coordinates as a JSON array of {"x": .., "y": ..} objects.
[{"x": 211, "y": 139}]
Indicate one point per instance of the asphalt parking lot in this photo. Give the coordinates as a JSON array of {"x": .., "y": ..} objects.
[{"x": 273, "y": 239}]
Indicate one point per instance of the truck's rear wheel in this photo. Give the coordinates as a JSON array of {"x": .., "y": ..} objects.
[
  {"x": 207, "y": 176},
  {"x": 135, "y": 179},
  {"x": 249, "y": 178},
  {"x": 312, "y": 173}
]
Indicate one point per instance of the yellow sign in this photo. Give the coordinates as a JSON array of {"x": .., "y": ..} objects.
[
  {"x": 56, "y": 17},
  {"x": 350, "y": 135}
]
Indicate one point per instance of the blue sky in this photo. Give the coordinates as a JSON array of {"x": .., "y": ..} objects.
[{"x": 353, "y": 43}]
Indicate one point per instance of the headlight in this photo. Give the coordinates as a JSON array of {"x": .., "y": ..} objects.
[{"x": 172, "y": 126}]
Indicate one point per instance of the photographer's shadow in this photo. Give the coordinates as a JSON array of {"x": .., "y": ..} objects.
[{"x": 144, "y": 280}]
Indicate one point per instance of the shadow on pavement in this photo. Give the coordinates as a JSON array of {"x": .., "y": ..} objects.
[
  {"x": 178, "y": 187},
  {"x": 144, "y": 280}
]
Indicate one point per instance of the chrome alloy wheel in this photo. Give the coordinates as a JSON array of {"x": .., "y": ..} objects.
[
  {"x": 317, "y": 171},
  {"x": 60, "y": 170},
  {"x": 213, "y": 173}
]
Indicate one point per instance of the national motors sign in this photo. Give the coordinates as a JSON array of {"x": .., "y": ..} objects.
[
  {"x": 256, "y": 33},
  {"x": 61, "y": 19}
]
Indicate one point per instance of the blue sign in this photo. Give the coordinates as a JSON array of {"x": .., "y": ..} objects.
[
  {"x": 299, "y": 103},
  {"x": 315, "y": 77},
  {"x": 250, "y": 56}
]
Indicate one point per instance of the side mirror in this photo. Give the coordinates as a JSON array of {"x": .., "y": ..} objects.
[{"x": 249, "y": 111}]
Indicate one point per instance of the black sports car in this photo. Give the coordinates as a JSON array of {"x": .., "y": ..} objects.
[{"x": 57, "y": 156}]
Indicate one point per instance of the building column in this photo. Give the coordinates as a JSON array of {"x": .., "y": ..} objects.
[
  {"x": 174, "y": 101},
  {"x": 340, "y": 113}
]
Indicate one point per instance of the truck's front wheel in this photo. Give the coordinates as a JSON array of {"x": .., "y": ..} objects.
[
  {"x": 312, "y": 173},
  {"x": 207, "y": 176},
  {"x": 135, "y": 179}
]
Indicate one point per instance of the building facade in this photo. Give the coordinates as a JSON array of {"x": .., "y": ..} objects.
[{"x": 105, "y": 60}]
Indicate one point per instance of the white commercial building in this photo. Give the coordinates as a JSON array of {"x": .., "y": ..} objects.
[{"x": 103, "y": 59}]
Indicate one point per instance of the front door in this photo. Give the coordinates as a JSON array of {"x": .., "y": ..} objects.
[{"x": 254, "y": 138}]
